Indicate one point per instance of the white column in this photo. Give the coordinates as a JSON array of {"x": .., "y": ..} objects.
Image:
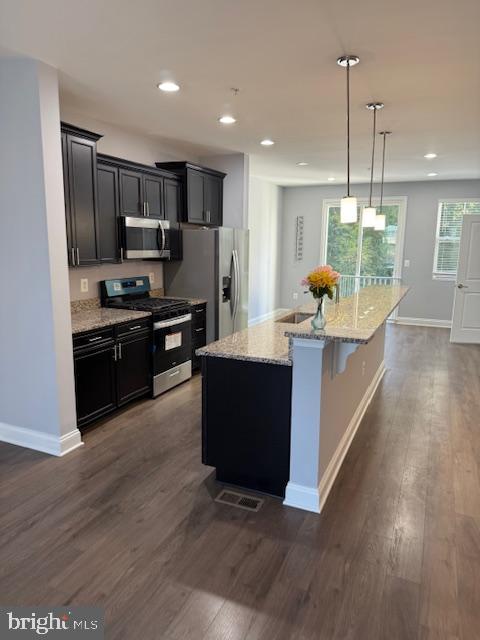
[
  {"x": 303, "y": 487},
  {"x": 37, "y": 396}
]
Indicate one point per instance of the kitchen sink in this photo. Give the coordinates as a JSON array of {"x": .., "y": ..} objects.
[{"x": 295, "y": 318}]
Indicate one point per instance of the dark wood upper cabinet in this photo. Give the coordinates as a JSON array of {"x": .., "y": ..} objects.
[
  {"x": 213, "y": 196},
  {"x": 195, "y": 197},
  {"x": 145, "y": 190},
  {"x": 68, "y": 216},
  {"x": 202, "y": 192},
  {"x": 172, "y": 192},
  {"x": 153, "y": 196},
  {"x": 99, "y": 189},
  {"x": 131, "y": 193},
  {"x": 108, "y": 211},
  {"x": 80, "y": 185}
]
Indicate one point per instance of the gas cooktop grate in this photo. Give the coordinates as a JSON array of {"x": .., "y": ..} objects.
[{"x": 151, "y": 304}]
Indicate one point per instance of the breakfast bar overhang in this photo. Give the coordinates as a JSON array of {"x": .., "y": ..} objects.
[{"x": 282, "y": 403}]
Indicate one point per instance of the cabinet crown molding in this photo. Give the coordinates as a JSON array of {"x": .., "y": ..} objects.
[{"x": 78, "y": 131}]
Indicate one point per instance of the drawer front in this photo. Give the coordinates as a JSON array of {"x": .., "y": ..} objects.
[
  {"x": 199, "y": 336},
  {"x": 93, "y": 338},
  {"x": 133, "y": 327},
  {"x": 199, "y": 315}
]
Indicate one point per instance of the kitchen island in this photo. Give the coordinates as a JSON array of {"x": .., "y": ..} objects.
[{"x": 281, "y": 403}]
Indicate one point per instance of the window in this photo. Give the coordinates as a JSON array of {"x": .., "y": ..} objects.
[
  {"x": 447, "y": 241},
  {"x": 359, "y": 251}
]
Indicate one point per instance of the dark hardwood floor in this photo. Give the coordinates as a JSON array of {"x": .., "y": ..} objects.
[{"x": 127, "y": 522}]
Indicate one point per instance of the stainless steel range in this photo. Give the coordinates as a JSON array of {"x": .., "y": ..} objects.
[{"x": 171, "y": 321}]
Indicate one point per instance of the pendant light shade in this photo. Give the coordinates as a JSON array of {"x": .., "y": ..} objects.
[
  {"x": 348, "y": 209},
  {"x": 348, "y": 204},
  {"x": 368, "y": 216},
  {"x": 369, "y": 213},
  {"x": 380, "y": 220}
]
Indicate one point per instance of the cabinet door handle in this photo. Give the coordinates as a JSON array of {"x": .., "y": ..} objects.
[
  {"x": 78, "y": 257},
  {"x": 95, "y": 339},
  {"x": 115, "y": 352},
  {"x": 200, "y": 329},
  {"x": 121, "y": 254},
  {"x": 73, "y": 257},
  {"x": 119, "y": 350},
  {"x": 137, "y": 326},
  {"x": 148, "y": 208},
  {"x": 198, "y": 310}
]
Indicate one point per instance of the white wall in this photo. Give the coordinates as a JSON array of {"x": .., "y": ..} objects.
[
  {"x": 235, "y": 186},
  {"x": 265, "y": 224},
  {"x": 37, "y": 399},
  {"x": 130, "y": 146},
  {"x": 428, "y": 298},
  {"x": 126, "y": 144}
]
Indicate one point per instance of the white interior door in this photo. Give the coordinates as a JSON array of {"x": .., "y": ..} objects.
[{"x": 466, "y": 307}]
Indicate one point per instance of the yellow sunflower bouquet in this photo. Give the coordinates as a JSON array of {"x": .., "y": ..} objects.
[{"x": 321, "y": 281}]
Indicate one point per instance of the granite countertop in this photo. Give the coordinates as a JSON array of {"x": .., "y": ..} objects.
[
  {"x": 89, "y": 319},
  {"x": 354, "y": 319}
]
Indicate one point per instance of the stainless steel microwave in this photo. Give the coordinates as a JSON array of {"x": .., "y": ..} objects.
[{"x": 150, "y": 238}]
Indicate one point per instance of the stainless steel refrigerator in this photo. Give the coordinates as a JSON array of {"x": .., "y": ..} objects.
[{"x": 214, "y": 267}]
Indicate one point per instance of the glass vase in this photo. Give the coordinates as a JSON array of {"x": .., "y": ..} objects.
[{"x": 319, "y": 321}]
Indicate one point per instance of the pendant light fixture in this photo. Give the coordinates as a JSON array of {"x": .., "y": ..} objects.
[
  {"x": 348, "y": 204},
  {"x": 380, "y": 218},
  {"x": 369, "y": 213}
]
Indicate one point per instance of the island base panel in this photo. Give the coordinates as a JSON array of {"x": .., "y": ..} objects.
[{"x": 246, "y": 423}]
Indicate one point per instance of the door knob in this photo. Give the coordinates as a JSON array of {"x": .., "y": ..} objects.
[{"x": 462, "y": 286}]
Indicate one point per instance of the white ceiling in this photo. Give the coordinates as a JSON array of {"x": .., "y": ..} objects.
[{"x": 420, "y": 57}]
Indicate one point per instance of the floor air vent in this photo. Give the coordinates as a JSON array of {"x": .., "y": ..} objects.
[{"x": 241, "y": 500}]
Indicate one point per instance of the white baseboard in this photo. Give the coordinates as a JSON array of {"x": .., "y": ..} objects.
[
  {"x": 301, "y": 497},
  {"x": 267, "y": 316},
  {"x": 54, "y": 445},
  {"x": 423, "y": 322},
  {"x": 313, "y": 499}
]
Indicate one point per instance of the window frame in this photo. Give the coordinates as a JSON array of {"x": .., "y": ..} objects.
[
  {"x": 442, "y": 275},
  {"x": 400, "y": 201}
]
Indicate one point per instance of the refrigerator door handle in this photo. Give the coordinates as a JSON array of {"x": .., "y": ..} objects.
[
  {"x": 237, "y": 283},
  {"x": 233, "y": 285}
]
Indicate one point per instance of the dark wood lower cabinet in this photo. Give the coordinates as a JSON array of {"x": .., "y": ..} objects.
[
  {"x": 95, "y": 386},
  {"x": 246, "y": 423},
  {"x": 112, "y": 367},
  {"x": 133, "y": 370},
  {"x": 199, "y": 331}
]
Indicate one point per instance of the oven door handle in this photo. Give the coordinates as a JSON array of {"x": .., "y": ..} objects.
[{"x": 164, "y": 324}]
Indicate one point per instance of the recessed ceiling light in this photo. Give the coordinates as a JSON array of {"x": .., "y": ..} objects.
[
  {"x": 169, "y": 87},
  {"x": 226, "y": 119},
  {"x": 302, "y": 164},
  {"x": 430, "y": 156},
  {"x": 267, "y": 142},
  {"x": 432, "y": 175},
  {"x": 331, "y": 179}
]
